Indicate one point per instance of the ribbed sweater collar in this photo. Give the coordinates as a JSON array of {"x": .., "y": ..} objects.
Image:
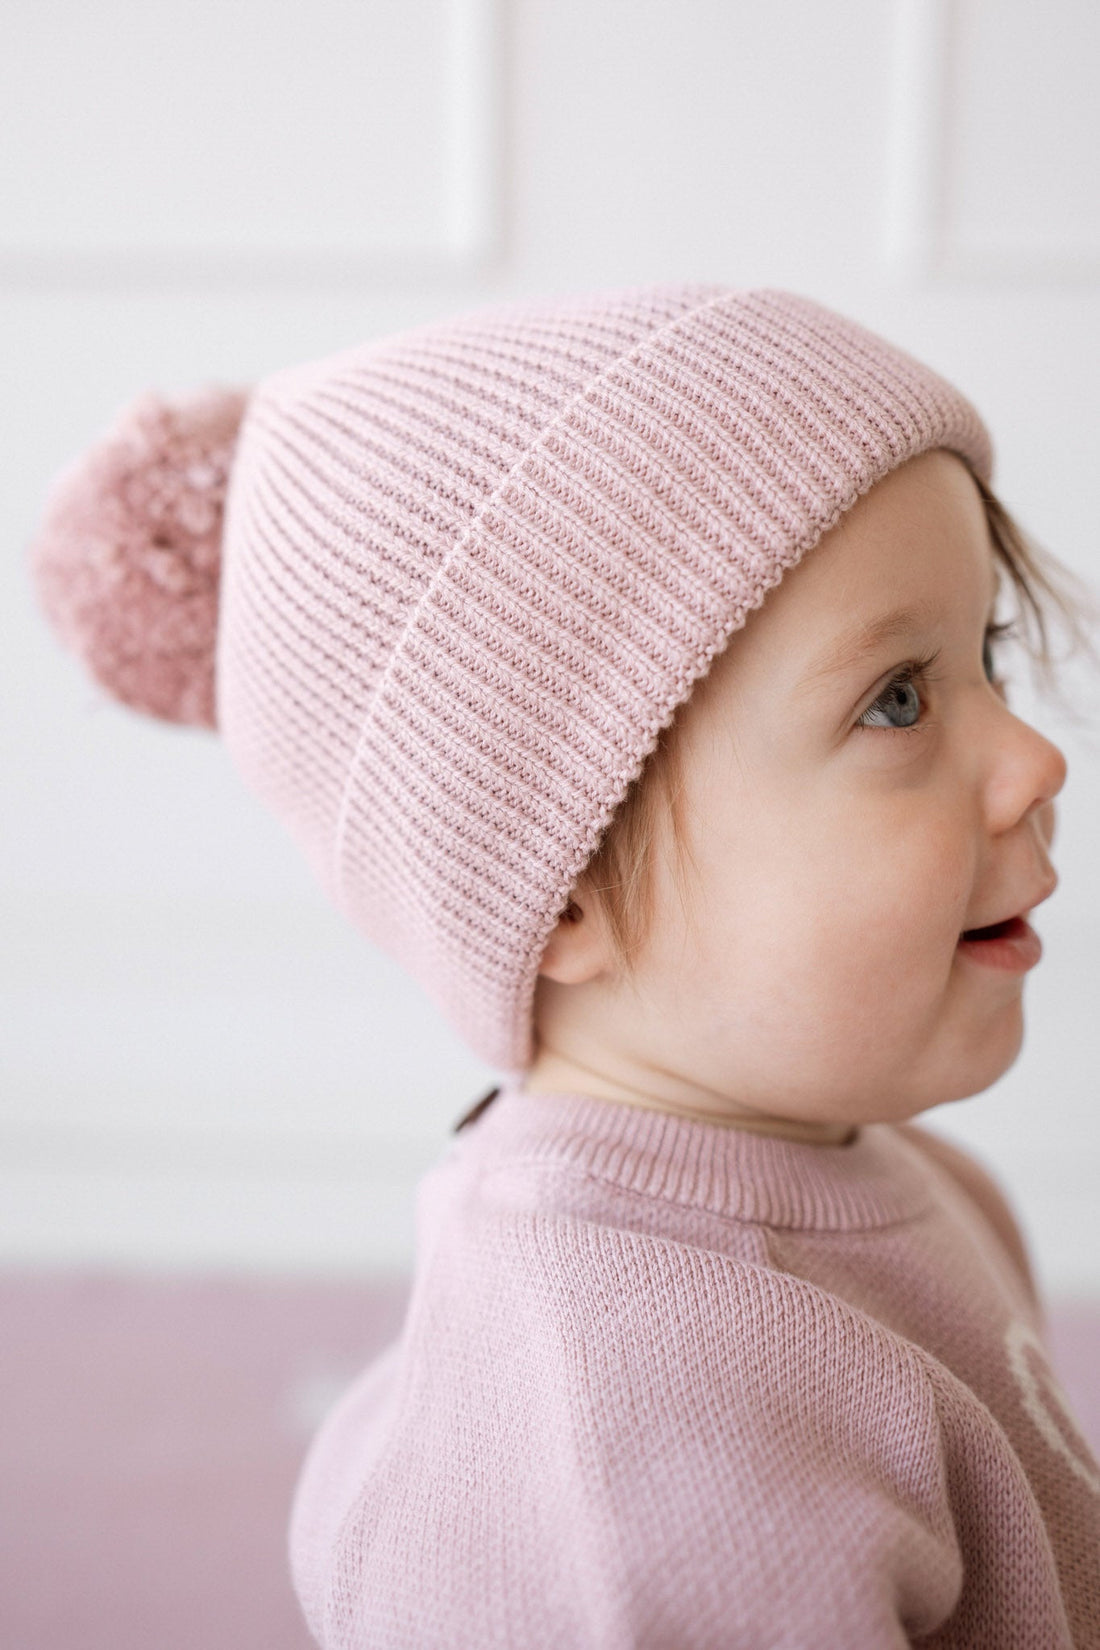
[{"x": 878, "y": 1179}]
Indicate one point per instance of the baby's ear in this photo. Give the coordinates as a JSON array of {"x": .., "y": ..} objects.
[{"x": 577, "y": 949}]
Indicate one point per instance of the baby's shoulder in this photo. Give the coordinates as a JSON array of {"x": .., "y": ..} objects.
[
  {"x": 584, "y": 1201},
  {"x": 594, "y": 1266}
]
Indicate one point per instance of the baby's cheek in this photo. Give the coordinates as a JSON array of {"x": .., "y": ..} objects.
[{"x": 880, "y": 948}]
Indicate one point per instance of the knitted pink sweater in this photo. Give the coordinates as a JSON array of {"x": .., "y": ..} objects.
[{"x": 664, "y": 1383}]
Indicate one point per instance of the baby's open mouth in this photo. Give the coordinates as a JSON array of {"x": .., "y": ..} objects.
[
  {"x": 1012, "y": 944},
  {"x": 995, "y": 930}
]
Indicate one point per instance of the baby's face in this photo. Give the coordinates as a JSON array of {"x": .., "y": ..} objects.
[{"x": 845, "y": 831}]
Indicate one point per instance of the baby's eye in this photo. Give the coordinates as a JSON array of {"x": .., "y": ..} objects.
[
  {"x": 988, "y": 664},
  {"x": 996, "y": 633},
  {"x": 900, "y": 695}
]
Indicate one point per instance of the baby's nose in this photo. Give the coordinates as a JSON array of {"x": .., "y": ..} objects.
[
  {"x": 1048, "y": 774},
  {"x": 1027, "y": 771}
]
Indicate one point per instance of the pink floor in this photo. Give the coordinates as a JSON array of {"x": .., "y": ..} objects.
[{"x": 152, "y": 1431}]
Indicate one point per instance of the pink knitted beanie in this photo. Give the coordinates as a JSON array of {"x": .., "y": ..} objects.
[{"x": 468, "y": 574}]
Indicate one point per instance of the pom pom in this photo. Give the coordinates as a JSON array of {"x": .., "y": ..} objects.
[{"x": 127, "y": 562}]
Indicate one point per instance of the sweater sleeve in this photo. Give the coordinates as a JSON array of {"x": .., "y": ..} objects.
[
  {"x": 601, "y": 1439},
  {"x": 753, "y": 1464}
]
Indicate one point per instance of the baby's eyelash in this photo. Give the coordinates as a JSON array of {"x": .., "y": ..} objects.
[
  {"x": 917, "y": 670},
  {"x": 913, "y": 670},
  {"x": 995, "y": 633},
  {"x": 920, "y": 670},
  {"x": 999, "y": 632}
]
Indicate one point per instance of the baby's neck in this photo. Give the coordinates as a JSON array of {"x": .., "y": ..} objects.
[{"x": 554, "y": 1074}]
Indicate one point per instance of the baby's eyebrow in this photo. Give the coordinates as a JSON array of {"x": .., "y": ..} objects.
[{"x": 856, "y": 646}]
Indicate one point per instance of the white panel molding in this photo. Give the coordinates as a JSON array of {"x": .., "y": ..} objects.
[
  {"x": 472, "y": 132},
  {"x": 913, "y": 216},
  {"x": 174, "y": 1200},
  {"x": 917, "y": 241},
  {"x": 201, "y": 1152},
  {"x": 466, "y": 237}
]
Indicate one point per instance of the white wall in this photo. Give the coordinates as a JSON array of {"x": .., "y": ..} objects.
[{"x": 199, "y": 1064}]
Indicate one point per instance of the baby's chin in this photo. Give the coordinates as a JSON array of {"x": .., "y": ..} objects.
[
  {"x": 905, "y": 1101},
  {"x": 981, "y": 1068}
]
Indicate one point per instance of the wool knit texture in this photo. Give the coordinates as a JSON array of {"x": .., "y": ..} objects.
[
  {"x": 471, "y": 571},
  {"x": 663, "y": 1383}
]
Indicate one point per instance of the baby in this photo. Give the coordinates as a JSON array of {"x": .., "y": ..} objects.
[{"x": 627, "y": 666}]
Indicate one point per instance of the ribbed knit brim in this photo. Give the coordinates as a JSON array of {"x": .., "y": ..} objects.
[{"x": 471, "y": 571}]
